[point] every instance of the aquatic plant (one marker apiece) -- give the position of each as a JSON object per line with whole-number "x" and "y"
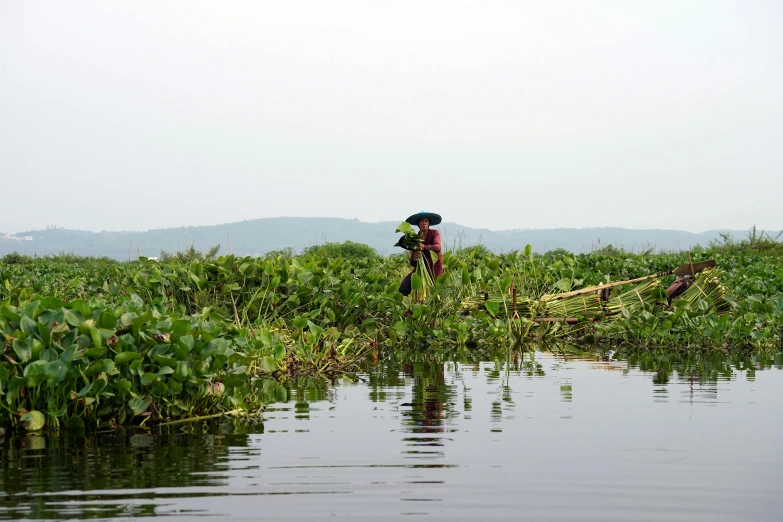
{"x": 82, "y": 338}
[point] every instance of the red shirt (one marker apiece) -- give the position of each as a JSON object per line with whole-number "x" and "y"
{"x": 431, "y": 244}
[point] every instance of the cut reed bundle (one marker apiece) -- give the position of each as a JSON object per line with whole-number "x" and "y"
{"x": 707, "y": 286}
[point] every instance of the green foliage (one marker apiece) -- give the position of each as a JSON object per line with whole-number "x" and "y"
{"x": 111, "y": 364}
{"x": 347, "y": 250}
{"x": 113, "y": 343}
{"x": 475, "y": 251}
{"x": 756, "y": 241}
{"x": 15, "y": 258}
{"x": 190, "y": 254}
{"x": 286, "y": 253}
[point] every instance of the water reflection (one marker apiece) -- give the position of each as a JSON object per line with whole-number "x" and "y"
{"x": 424, "y": 417}
{"x": 42, "y": 477}
{"x": 702, "y": 367}
{"x": 429, "y": 430}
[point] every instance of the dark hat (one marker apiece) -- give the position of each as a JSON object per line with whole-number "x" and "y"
{"x": 434, "y": 218}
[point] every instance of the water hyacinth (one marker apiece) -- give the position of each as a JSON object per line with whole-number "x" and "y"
{"x": 104, "y": 343}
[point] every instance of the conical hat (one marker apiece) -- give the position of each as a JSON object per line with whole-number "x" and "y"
{"x": 434, "y": 218}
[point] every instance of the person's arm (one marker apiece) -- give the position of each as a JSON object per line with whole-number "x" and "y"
{"x": 435, "y": 246}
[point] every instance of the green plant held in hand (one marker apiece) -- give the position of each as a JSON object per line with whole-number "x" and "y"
{"x": 410, "y": 240}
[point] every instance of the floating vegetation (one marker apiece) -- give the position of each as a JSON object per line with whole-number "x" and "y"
{"x": 94, "y": 342}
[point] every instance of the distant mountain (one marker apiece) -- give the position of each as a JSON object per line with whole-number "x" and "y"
{"x": 259, "y": 236}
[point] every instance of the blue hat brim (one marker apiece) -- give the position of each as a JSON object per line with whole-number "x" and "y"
{"x": 434, "y": 218}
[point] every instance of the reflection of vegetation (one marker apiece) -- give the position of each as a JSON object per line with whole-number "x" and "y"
{"x": 37, "y": 465}
{"x": 188, "y": 456}
{"x": 702, "y": 367}
{"x": 298, "y": 389}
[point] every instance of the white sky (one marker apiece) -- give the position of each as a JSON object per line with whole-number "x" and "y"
{"x": 520, "y": 114}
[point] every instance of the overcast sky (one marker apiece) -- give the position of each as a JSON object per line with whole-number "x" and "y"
{"x": 520, "y": 114}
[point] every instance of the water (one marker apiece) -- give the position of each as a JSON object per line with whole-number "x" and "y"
{"x": 539, "y": 437}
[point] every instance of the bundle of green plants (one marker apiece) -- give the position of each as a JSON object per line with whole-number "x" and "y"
{"x": 410, "y": 239}
{"x": 635, "y": 299}
{"x": 707, "y": 285}
{"x": 498, "y": 305}
{"x": 586, "y": 306}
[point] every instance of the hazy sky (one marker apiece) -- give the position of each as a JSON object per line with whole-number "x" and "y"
{"x": 520, "y": 114}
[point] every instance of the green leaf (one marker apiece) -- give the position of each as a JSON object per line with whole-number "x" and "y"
{"x": 140, "y": 320}
{"x": 74, "y": 423}
{"x": 35, "y": 374}
{"x": 416, "y": 282}
{"x": 96, "y": 367}
{"x": 406, "y": 229}
{"x": 123, "y": 386}
{"x": 27, "y": 325}
{"x": 95, "y": 336}
{"x": 33, "y": 420}
{"x": 139, "y": 405}
{"x": 279, "y": 352}
{"x": 148, "y": 378}
{"x": 159, "y": 388}
{"x": 43, "y": 333}
{"x": 56, "y": 370}
{"x": 180, "y": 327}
{"x": 465, "y": 276}
{"x": 125, "y": 357}
{"x": 95, "y": 353}
{"x": 127, "y": 318}
{"x": 493, "y": 307}
{"x": 267, "y": 364}
{"x": 74, "y": 317}
{"x": 23, "y": 350}
{"x": 506, "y": 284}
{"x": 230, "y": 287}
{"x": 164, "y": 360}
{"x": 72, "y": 353}
{"x": 8, "y": 312}
{"x": 266, "y": 337}
{"x": 84, "y": 391}
{"x": 47, "y": 317}
{"x": 300, "y": 322}
{"x": 51, "y": 303}
{"x": 187, "y": 342}
{"x": 60, "y": 329}
{"x": 182, "y": 371}
{"x": 314, "y": 327}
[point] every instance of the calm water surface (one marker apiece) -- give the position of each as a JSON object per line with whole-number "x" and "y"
{"x": 539, "y": 437}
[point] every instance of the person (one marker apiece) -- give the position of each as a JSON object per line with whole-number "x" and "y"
{"x": 430, "y": 243}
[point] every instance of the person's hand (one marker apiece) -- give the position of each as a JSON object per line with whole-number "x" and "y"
{"x": 415, "y": 256}
{"x": 420, "y": 246}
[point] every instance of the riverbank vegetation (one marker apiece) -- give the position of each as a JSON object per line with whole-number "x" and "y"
{"x": 95, "y": 342}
